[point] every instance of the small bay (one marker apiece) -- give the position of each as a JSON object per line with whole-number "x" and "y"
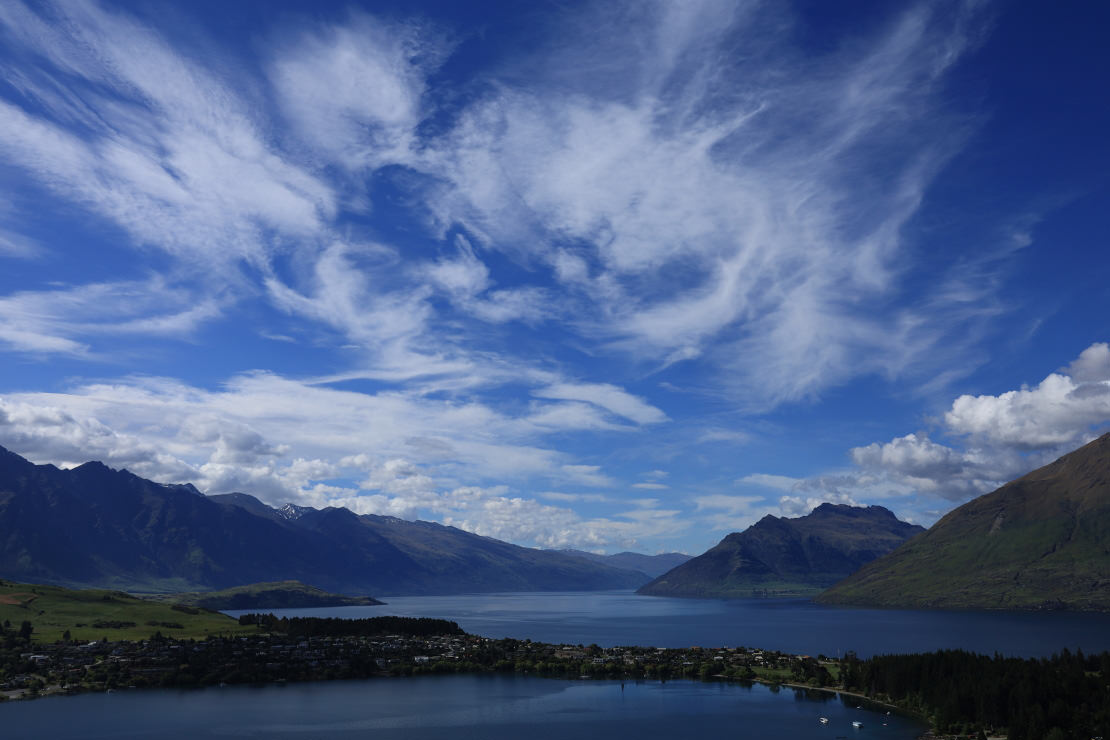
{"x": 797, "y": 626}
{"x": 465, "y": 706}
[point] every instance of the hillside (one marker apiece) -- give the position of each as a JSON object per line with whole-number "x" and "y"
{"x": 95, "y": 614}
{"x": 93, "y": 526}
{"x": 1041, "y": 541}
{"x": 787, "y": 557}
{"x": 279, "y": 595}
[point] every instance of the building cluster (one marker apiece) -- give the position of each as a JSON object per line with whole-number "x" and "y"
{"x": 269, "y": 657}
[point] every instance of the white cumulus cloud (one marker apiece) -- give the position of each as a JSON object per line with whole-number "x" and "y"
{"x": 991, "y": 439}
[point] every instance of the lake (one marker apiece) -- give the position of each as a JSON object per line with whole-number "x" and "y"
{"x": 612, "y": 618}
{"x": 500, "y": 707}
{"x": 456, "y": 707}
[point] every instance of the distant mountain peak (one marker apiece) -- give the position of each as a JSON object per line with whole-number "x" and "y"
{"x": 292, "y": 512}
{"x": 827, "y": 509}
{"x": 9, "y": 459}
{"x": 783, "y": 556}
{"x": 650, "y": 565}
{"x": 186, "y": 487}
{"x": 93, "y": 466}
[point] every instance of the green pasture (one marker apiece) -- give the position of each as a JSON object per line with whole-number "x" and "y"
{"x": 96, "y": 614}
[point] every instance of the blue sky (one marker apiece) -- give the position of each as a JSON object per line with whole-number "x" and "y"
{"x": 610, "y": 276}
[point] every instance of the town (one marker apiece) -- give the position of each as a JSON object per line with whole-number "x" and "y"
{"x": 957, "y": 692}
{"x": 34, "y": 669}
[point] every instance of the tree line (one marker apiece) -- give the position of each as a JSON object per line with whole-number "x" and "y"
{"x": 1065, "y": 696}
{"x": 335, "y": 627}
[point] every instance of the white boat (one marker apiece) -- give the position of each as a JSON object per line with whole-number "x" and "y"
{"x": 857, "y": 723}
{"x": 823, "y": 720}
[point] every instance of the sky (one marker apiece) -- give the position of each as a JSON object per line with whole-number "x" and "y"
{"x": 610, "y": 276}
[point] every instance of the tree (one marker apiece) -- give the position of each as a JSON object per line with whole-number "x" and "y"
{"x": 25, "y": 630}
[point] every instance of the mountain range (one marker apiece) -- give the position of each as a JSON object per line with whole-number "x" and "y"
{"x": 652, "y": 565}
{"x": 788, "y": 557}
{"x": 1041, "y": 541}
{"x": 92, "y": 526}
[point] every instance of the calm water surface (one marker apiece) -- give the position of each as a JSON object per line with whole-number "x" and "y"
{"x": 486, "y": 707}
{"x": 795, "y": 626}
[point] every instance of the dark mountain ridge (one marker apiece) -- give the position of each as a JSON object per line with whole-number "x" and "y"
{"x": 1040, "y": 541}
{"x": 779, "y": 556}
{"x": 93, "y": 526}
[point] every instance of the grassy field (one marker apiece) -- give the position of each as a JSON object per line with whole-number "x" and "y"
{"x": 773, "y": 674}
{"x": 95, "y": 614}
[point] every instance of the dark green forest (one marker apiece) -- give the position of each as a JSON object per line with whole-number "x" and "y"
{"x": 1065, "y": 696}
{"x": 335, "y": 627}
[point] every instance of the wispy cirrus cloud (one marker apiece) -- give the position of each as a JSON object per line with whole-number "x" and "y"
{"x": 606, "y": 396}
{"x": 488, "y": 274}
{"x": 64, "y": 318}
{"x": 163, "y": 149}
{"x": 760, "y": 227}
{"x": 367, "y": 114}
{"x": 17, "y": 245}
{"x": 615, "y": 180}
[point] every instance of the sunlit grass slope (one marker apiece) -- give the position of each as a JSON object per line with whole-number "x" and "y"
{"x": 95, "y": 614}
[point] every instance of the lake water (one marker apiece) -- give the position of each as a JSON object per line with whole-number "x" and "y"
{"x": 455, "y": 707}
{"x": 794, "y": 626}
{"x": 509, "y": 707}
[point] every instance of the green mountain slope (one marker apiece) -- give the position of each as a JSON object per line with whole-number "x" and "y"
{"x": 1041, "y": 541}
{"x": 787, "y": 557}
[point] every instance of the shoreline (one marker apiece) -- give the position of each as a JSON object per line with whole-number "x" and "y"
{"x": 55, "y": 691}
{"x": 298, "y": 649}
{"x": 832, "y": 690}
{"x": 63, "y": 691}
{"x": 929, "y": 734}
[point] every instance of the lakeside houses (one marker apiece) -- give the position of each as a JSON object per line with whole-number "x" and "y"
{"x": 930, "y": 685}
{"x": 164, "y": 661}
